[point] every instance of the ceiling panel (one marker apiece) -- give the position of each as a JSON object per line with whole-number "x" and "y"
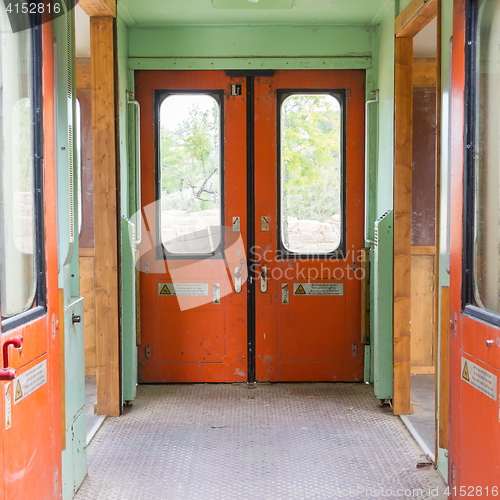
{"x": 178, "y": 12}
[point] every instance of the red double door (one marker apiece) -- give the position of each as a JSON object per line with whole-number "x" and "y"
{"x": 253, "y": 310}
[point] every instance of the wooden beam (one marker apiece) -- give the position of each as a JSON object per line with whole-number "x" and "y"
{"x": 105, "y": 216}
{"x": 402, "y": 224}
{"x": 423, "y": 250}
{"x": 423, "y": 314}
{"x": 416, "y": 15}
{"x": 423, "y": 370}
{"x": 425, "y": 72}
{"x": 98, "y": 8}
{"x": 82, "y": 73}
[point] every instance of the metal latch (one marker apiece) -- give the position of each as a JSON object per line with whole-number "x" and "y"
{"x": 237, "y": 279}
{"x": 263, "y": 276}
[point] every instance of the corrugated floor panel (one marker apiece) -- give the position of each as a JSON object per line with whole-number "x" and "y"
{"x": 262, "y": 442}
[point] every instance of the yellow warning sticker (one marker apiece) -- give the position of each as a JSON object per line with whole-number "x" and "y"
{"x": 8, "y": 405}
{"x": 299, "y": 290}
{"x": 19, "y": 392}
{"x": 465, "y": 372}
{"x": 479, "y": 378}
{"x": 165, "y": 291}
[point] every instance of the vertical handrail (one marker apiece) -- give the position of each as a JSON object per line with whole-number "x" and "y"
{"x": 131, "y": 100}
{"x": 367, "y": 162}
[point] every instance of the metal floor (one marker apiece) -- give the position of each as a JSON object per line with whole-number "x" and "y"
{"x": 263, "y": 442}
{"x": 92, "y": 422}
{"x": 422, "y": 422}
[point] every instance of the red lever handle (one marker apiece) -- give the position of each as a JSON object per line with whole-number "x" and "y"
{"x": 263, "y": 272}
{"x": 7, "y": 373}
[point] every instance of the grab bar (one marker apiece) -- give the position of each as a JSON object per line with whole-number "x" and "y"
{"x": 131, "y": 100}
{"x": 367, "y": 162}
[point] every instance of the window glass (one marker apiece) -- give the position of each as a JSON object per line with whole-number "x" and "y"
{"x": 487, "y": 158}
{"x": 190, "y": 176}
{"x": 311, "y": 218}
{"x": 18, "y": 258}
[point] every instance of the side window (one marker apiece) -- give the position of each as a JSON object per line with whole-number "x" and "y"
{"x": 21, "y": 236}
{"x": 483, "y": 157}
{"x": 311, "y": 191}
{"x": 189, "y": 173}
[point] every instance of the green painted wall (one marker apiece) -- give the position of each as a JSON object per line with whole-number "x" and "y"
{"x": 122, "y": 60}
{"x": 242, "y": 47}
{"x": 127, "y": 199}
{"x": 385, "y": 83}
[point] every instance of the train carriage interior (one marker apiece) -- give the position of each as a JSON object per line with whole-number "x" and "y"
{"x": 249, "y": 249}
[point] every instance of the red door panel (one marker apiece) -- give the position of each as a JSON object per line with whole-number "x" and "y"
{"x": 205, "y": 341}
{"x": 312, "y": 338}
{"x": 474, "y": 448}
{"x": 297, "y": 346}
{"x": 31, "y": 431}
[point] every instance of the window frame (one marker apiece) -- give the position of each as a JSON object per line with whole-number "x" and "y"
{"x": 339, "y": 253}
{"x": 469, "y": 304}
{"x": 161, "y": 252}
{"x": 38, "y": 307}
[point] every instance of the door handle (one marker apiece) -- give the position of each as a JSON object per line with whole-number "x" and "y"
{"x": 263, "y": 276}
{"x": 7, "y": 373}
{"x": 237, "y": 279}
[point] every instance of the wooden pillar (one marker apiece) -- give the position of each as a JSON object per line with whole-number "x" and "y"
{"x": 105, "y": 213}
{"x": 402, "y": 224}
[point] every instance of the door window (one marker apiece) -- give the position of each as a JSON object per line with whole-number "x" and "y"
{"x": 484, "y": 156}
{"x": 190, "y": 173}
{"x": 311, "y": 173}
{"x": 21, "y": 241}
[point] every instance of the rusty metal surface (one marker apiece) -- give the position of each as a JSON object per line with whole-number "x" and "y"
{"x": 263, "y": 442}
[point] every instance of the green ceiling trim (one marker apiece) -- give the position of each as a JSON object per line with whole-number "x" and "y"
{"x": 252, "y": 5}
{"x": 234, "y": 63}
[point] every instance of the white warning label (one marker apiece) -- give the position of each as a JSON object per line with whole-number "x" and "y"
{"x": 30, "y": 381}
{"x": 479, "y": 378}
{"x": 285, "y": 294}
{"x": 318, "y": 289}
{"x": 236, "y": 224}
{"x": 216, "y": 294}
{"x": 8, "y": 405}
{"x": 183, "y": 289}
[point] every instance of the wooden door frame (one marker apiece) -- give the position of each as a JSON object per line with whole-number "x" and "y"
{"x": 417, "y": 15}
